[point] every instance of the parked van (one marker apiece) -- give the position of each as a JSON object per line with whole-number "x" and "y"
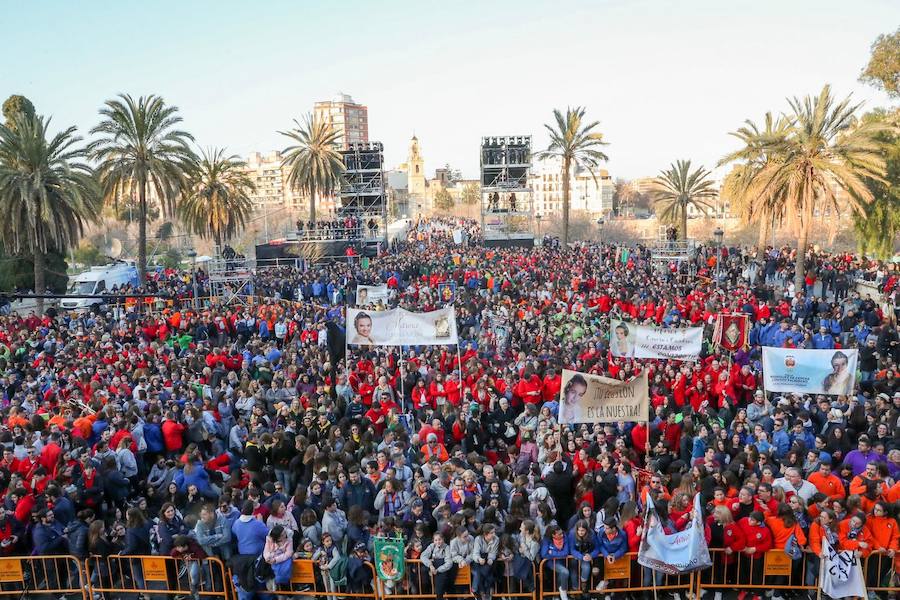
{"x": 97, "y": 281}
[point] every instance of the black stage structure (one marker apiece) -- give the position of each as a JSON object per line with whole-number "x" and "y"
{"x": 507, "y": 206}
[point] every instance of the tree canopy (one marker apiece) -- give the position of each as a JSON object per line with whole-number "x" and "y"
{"x": 883, "y": 70}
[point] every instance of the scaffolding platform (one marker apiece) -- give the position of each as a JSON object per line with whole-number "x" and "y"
{"x": 507, "y": 205}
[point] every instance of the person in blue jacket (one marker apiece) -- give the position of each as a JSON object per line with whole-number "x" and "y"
{"x": 613, "y": 543}
{"x": 193, "y": 473}
{"x": 249, "y": 532}
{"x": 584, "y": 550}
{"x": 823, "y": 340}
{"x": 556, "y": 551}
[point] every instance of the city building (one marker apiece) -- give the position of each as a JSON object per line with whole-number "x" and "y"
{"x": 270, "y": 179}
{"x": 350, "y": 119}
{"x": 410, "y": 193}
{"x": 591, "y": 193}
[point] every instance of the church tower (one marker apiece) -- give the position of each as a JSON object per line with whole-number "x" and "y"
{"x": 415, "y": 171}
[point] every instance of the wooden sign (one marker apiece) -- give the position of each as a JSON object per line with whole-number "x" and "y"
{"x": 302, "y": 572}
{"x": 154, "y": 569}
{"x": 10, "y": 570}
{"x": 619, "y": 569}
{"x": 463, "y": 576}
{"x": 777, "y": 563}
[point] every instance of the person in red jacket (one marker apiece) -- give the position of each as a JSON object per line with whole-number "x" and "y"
{"x": 725, "y": 540}
{"x": 757, "y": 541}
{"x": 173, "y": 434}
{"x": 551, "y": 385}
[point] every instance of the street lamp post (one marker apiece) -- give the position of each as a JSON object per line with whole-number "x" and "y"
{"x": 718, "y": 234}
{"x": 600, "y": 223}
{"x": 538, "y": 218}
{"x": 193, "y": 256}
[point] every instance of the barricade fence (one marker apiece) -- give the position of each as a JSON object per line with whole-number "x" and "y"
{"x": 159, "y": 577}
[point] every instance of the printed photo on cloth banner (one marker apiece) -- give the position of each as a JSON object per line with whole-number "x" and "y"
{"x": 629, "y": 340}
{"x": 831, "y": 372}
{"x": 587, "y": 398}
{"x": 400, "y": 327}
{"x": 371, "y": 294}
{"x": 842, "y": 575}
{"x": 679, "y": 552}
{"x": 390, "y": 562}
{"x": 731, "y": 331}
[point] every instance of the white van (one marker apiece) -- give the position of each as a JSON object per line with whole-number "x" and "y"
{"x": 96, "y": 281}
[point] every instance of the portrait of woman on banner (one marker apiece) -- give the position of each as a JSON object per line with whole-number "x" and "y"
{"x": 573, "y": 394}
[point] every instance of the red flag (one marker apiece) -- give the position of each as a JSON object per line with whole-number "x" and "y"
{"x": 731, "y": 331}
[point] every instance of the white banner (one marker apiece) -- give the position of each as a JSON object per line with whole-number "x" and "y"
{"x": 842, "y": 575}
{"x": 831, "y": 372}
{"x": 400, "y": 327}
{"x": 680, "y": 552}
{"x": 629, "y": 340}
{"x": 587, "y": 398}
{"x": 371, "y": 294}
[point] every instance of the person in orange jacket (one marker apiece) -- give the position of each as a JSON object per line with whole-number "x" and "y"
{"x": 783, "y": 525}
{"x": 853, "y": 535}
{"x": 827, "y": 482}
{"x": 885, "y": 535}
{"x": 758, "y": 541}
{"x": 824, "y": 526}
{"x": 868, "y": 479}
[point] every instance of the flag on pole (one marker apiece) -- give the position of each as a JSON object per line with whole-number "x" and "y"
{"x": 731, "y": 331}
{"x": 842, "y": 575}
{"x": 679, "y": 552}
{"x": 390, "y": 560}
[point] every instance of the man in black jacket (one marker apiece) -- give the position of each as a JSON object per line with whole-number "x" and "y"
{"x": 559, "y": 484}
{"x": 358, "y": 491}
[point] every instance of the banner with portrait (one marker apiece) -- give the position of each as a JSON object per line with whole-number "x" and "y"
{"x": 830, "y": 372}
{"x": 629, "y": 340}
{"x": 399, "y": 327}
{"x": 371, "y": 294}
{"x": 587, "y": 398}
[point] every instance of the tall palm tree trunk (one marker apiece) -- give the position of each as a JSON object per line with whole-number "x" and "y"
{"x": 762, "y": 235}
{"x": 684, "y": 221}
{"x": 567, "y": 165}
{"x": 142, "y": 231}
{"x": 802, "y": 243}
{"x": 312, "y": 206}
{"x": 40, "y": 282}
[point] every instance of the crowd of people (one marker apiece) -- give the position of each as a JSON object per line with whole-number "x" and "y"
{"x": 348, "y": 227}
{"x": 248, "y": 434}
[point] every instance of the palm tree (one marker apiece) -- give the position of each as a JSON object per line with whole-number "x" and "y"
{"x": 141, "y": 150}
{"x": 47, "y": 194}
{"x": 314, "y": 162}
{"x": 217, "y": 200}
{"x": 751, "y": 205}
{"x": 823, "y": 149}
{"x": 678, "y": 188}
{"x": 577, "y": 145}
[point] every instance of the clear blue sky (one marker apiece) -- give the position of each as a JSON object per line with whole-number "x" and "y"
{"x": 667, "y": 80}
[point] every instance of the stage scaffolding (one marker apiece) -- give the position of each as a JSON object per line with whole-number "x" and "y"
{"x": 507, "y": 205}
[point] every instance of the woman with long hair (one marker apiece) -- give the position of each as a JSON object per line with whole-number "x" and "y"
{"x": 726, "y": 540}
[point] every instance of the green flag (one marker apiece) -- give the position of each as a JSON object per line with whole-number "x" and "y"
{"x": 389, "y": 558}
{"x": 364, "y": 262}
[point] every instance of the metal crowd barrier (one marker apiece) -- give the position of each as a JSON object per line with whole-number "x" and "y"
{"x": 309, "y": 580}
{"x": 34, "y": 576}
{"x": 155, "y": 577}
{"x": 162, "y": 577}
{"x": 419, "y": 584}
{"x": 623, "y": 576}
{"x": 774, "y": 571}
